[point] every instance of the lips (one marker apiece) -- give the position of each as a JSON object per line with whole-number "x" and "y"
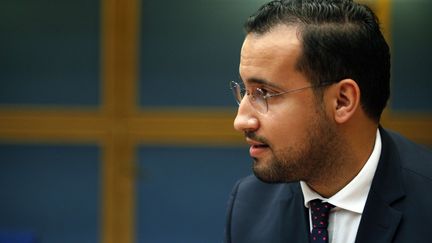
{"x": 260, "y": 146}
{"x": 253, "y": 142}
{"x": 256, "y": 148}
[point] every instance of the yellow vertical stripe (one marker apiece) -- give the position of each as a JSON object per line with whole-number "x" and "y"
{"x": 384, "y": 15}
{"x": 119, "y": 79}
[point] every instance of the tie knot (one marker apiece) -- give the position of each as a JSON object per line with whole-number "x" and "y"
{"x": 320, "y": 213}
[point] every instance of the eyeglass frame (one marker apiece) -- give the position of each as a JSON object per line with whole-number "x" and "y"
{"x": 240, "y": 92}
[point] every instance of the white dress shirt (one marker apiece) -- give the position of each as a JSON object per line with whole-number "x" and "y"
{"x": 349, "y": 202}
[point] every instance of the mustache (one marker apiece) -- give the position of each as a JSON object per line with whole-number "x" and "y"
{"x": 255, "y": 137}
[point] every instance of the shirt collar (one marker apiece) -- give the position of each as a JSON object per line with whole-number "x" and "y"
{"x": 354, "y": 195}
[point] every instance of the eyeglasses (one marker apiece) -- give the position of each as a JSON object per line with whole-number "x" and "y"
{"x": 258, "y": 96}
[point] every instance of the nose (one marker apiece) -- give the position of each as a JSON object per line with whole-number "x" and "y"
{"x": 245, "y": 119}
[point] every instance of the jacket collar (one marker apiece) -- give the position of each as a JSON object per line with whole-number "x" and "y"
{"x": 295, "y": 217}
{"x": 379, "y": 220}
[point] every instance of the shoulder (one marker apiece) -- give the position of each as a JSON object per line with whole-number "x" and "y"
{"x": 251, "y": 194}
{"x": 403, "y": 183}
{"x": 414, "y": 159}
{"x": 256, "y": 210}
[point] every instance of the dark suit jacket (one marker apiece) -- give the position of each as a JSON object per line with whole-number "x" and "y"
{"x": 398, "y": 208}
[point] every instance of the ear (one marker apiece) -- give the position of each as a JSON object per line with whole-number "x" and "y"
{"x": 347, "y": 100}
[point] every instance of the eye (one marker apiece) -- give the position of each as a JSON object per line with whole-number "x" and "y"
{"x": 261, "y": 91}
{"x": 265, "y": 92}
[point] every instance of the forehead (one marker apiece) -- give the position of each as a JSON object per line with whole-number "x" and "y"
{"x": 281, "y": 37}
{"x": 271, "y": 55}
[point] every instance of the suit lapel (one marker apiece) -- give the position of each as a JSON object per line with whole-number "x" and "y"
{"x": 380, "y": 220}
{"x": 379, "y": 223}
{"x": 295, "y": 218}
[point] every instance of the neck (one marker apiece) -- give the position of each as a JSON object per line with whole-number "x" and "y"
{"x": 346, "y": 163}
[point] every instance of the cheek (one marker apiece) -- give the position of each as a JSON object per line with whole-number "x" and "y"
{"x": 288, "y": 121}
{"x": 288, "y": 128}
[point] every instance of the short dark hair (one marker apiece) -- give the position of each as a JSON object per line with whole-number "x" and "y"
{"x": 341, "y": 39}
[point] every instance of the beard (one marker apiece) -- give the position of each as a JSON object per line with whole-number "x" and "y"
{"x": 315, "y": 159}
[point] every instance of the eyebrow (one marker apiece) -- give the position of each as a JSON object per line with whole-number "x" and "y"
{"x": 261, "y": 82}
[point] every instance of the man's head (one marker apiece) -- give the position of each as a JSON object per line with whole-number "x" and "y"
{"x": 340, "y": 39}
{"x": 301, "y": 45}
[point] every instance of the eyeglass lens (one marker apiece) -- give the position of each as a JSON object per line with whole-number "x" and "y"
{"x": 256, "y": 97}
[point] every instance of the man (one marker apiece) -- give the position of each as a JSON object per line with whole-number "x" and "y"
{"x": 315, "y": 80}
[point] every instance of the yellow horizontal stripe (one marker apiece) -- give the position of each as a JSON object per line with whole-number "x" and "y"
{"x": 52, "y": 126}
{"x": 415, "y": 126}
{"x": 170, "y": 127}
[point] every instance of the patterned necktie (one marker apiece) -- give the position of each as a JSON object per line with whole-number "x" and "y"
{"x": 319, "y": 217}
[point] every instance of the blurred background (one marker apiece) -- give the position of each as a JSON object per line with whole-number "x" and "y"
{"x": 116, "y": 117}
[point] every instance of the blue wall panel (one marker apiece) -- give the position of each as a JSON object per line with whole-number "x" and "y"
{"x": 182, "y": 192}
{"x": 412, "y": 51}
{"x": 190, "y": 51}
{"x": 50, "y": 52}
{"x": 50, "y": 191}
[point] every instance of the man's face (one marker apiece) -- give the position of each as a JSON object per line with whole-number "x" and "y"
{"x": 294, "y": 139}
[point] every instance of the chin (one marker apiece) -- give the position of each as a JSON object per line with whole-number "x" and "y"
{"x": 269, "y": 175}
{"x": 273, "y": 172}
